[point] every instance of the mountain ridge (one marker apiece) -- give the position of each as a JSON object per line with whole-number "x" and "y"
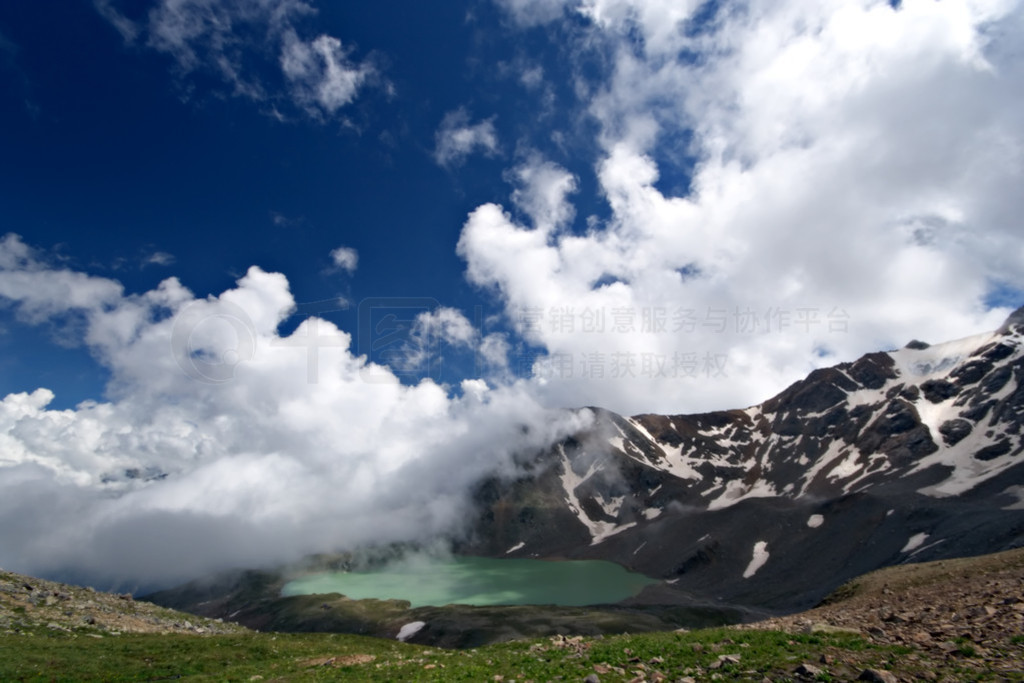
{"x": 897, "y": 456}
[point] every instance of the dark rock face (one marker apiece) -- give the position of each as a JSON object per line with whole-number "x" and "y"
{"x": 938, "y": 390}
{"x": 955, "y": 431}
{"x": 895, "y": 457}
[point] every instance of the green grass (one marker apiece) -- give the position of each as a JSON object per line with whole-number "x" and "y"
{"x": 81, "y": 657}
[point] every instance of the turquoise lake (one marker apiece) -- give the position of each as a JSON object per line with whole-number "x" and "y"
{"x": 481, "y": 581}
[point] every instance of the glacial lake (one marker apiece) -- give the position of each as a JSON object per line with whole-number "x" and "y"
{"x": 481, "y": 581}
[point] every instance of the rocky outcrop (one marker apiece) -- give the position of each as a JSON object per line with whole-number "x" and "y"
{"x": 964, "y": 617}
{"x": 29, "y": 605}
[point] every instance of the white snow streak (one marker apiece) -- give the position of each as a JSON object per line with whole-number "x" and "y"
{"x": 409, "y": 630}
{"x": 915, "y": 542}
{"x": 758, "y": 560}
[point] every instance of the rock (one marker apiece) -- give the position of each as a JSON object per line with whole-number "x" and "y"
{"x": 954, "y": 431}
{"x": 938, "y": 390}
{"x": 592, "y": 678}
{"x": 723, "y": 660}
{"x": 877, "y": 676}
{"x": 808, "y": 670}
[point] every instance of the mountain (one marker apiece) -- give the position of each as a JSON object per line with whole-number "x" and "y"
{"x": 900, "y": 456}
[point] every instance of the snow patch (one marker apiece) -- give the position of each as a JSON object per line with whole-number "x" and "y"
{"x": 937, "y": 360}
{"x": 758, "y": 560}
{"x": 915, "y": 542}
{"x": 847, "y": 468}
{"x": 735, "y": 491}
{"x": 605, "y": 530}
{"x": 516, "y": 547}
{"x": 409, "y": 630}
{"x": 1018, "y": 493}
{"x": 815, "y": 521}
{"x": 612, "y": 506}
{"x": 677, "y": 464}
{"x": 640, "y": 428}
{"x": 652, "y": 513}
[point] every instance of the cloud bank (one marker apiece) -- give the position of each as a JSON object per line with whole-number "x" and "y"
{"x": 215, "y": 448}
{"x": 789, "y": 185}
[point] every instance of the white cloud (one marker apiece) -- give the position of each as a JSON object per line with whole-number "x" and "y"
{"x": 541, "y": 191}
{"x": 448, "y": 325}
{"x": 457, "y": 138}
{"x": 532, "y": 77}
{"x": 128, "y": 29}
{"x": 534, "y": 12}
{"x": 231, "y": 40}
{"x": 213, "y": 448}
{"x": 322, "y": 77}
{"x": 494, "y": 351}
{"x": 851, "y": 192}
{"x": 159, "y": 258}
{"x": 345, "y": 258}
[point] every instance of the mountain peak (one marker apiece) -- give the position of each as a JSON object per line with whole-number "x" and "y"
{"x": 1016, "y": 320}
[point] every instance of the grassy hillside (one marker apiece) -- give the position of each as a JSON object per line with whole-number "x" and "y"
{"x": 881, "y": 624}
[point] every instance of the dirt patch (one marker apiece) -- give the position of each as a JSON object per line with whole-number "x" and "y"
{"x": 343, "y": 660}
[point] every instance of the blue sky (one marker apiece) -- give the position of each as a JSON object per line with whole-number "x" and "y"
{"x": 483, "y": 212}
{"x": 112, "y": 158}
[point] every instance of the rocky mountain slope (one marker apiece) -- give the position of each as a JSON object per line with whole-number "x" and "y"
{"x": 28, "y": 605}
{"x": 965, "y": 615}
{"x": 900, "y": 456}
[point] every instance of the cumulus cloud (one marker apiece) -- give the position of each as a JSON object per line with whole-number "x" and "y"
{"x": 457, "y": 138}
{"x": 213, "y": 449}
{"x": 232, "y": 40}
{"x": 345, "y": 258}
{"x": 850, "y": 192}
{"x": 446, "y": 329}
{"x": 447, "y": 324}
